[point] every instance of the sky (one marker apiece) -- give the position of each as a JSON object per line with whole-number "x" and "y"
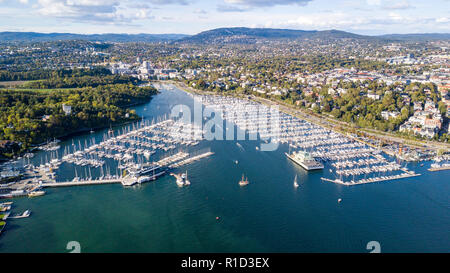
{"x": 369, "y": 17}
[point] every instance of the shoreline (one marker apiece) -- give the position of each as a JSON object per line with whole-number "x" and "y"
{"x": 301, "y": 114}
{"x": 79, "y": 131}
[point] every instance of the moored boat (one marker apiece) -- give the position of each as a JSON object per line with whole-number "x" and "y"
{"x": 36, "y": 193}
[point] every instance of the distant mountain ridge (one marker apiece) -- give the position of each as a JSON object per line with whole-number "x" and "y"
{"x": 108, "y": 37}
{"x": 242, "y": 33}
{"x": 219, "y": 35}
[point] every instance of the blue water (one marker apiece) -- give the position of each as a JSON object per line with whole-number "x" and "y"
{"x": 269, "y": 215}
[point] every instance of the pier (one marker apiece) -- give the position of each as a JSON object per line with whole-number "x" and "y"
{"x": 174, "y": 162}
{"x": 371, "y": 180}
{"x": 190, "y": 160}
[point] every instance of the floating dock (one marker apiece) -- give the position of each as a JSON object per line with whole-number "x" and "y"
{"x": 371, "y": 180}
{"x": 439, "y": 169}
{"x": 190, "y": 160}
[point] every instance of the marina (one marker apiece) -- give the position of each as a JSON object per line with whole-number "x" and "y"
{"x": 169, "y": 218}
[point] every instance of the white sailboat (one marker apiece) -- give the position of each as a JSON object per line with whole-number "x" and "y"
{"x": 295, "y": 182}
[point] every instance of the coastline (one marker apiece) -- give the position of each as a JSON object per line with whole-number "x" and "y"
{"x": 326, "y": 122}
{"x": 33, "y": 147}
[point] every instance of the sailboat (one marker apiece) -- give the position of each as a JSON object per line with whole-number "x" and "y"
{"x": 243, "y": 182}
{"x": 295, "y": 182}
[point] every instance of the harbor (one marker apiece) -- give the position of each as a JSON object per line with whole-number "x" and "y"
{"x": 161, "y": 216}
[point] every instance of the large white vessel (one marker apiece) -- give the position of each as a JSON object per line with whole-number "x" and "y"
{"x": 305, "y": 160}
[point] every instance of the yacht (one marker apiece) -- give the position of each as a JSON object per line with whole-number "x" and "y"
{"x": 36, "y": 193}
{"x": 182, "y": 180}
{"x": 243, "y": 182}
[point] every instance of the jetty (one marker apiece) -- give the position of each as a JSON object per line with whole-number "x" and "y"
{"x": 190, "y": 160}
{"x": 371, "y": 180}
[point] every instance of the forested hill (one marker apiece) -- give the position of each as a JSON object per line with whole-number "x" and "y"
{"x": 219, "y": 35}
{"x": 242, "y": 34}
{"x": 108, "y": 37}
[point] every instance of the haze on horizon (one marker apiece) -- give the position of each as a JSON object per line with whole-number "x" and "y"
{"x": 369, "y": 17}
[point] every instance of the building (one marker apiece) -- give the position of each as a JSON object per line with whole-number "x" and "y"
{"x": 67, "y": 109}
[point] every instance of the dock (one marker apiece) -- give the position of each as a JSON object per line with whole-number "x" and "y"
{"x": 190, "y": 160}
{"x": 439, "y": 169}
{"x": 371, "y": 180}
{"x": 81, "y": 183}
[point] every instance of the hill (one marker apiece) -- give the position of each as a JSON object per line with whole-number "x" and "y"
{"x": 248, "y": 35}
{"x": 109, "y": 37}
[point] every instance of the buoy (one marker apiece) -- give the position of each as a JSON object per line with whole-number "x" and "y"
{"x": 217, "y": 218}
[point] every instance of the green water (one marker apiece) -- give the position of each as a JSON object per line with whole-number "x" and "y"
{"x": 269, "y": 215}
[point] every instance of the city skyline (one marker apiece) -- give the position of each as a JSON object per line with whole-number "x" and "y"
{"x": 368, "y": 17}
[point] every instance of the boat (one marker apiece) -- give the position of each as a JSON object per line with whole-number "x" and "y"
{"x": 243, "y": 182}
{"x": 25, "y": 214}
{"x": 295, "y": 182}
{"x": 2, "y": 226}
{"x": 129, "y": 181}
{"x": 305, "y": 160}
{"x": 4, "y": 208}
{"x": 4, "y": 216}
{"x": 182, "y": 180}
{"x": 36, "y": 193}
{"x": 339, "y": 200}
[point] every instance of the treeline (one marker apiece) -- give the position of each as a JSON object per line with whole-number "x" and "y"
{"x": 33, "y": 117}
{"x": 39, "y": 74}
{"x": 80, "y": 82}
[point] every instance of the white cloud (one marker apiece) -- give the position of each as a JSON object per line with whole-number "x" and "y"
{"x": 389, "y": 23}
{"x": 103, "y": 11}
{"x": 266, "y": 3}
{"x": 390, "y": 4}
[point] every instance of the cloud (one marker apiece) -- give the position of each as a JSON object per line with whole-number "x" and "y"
{"x": 391, "y": 4}
{"x": 266, "y": 3}
{"x": 227, "y": 8}
{"x": 169, "y": 2}
{"x": 361, "y": 22}
{"x": 200, "y": 11}
{"x": 100, "y": 11}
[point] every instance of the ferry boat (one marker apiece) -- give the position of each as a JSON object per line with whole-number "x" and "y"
{"x": 36, "y": 193}
{"x": 305, "y": 160}
{"x": 243, "y": 182}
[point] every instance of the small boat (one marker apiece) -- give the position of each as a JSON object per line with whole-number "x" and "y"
{"x": 243, "y": 182}
{"x": 182, "y": 180}
{"x": 2, "y": 226}
{"x": 295, "y": 182}
{"x": 36, "y": 193}
{"x": 6, "y": 204}
{"x": 4, "y": 208}
{"x": 4, "y": 216}
{"x": 339, "y": 200}
{"x": 25, "y": 214}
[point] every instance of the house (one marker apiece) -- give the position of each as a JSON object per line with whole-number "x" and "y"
{"x": 67, "y": 109}
{"x": 373, "y": 96}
